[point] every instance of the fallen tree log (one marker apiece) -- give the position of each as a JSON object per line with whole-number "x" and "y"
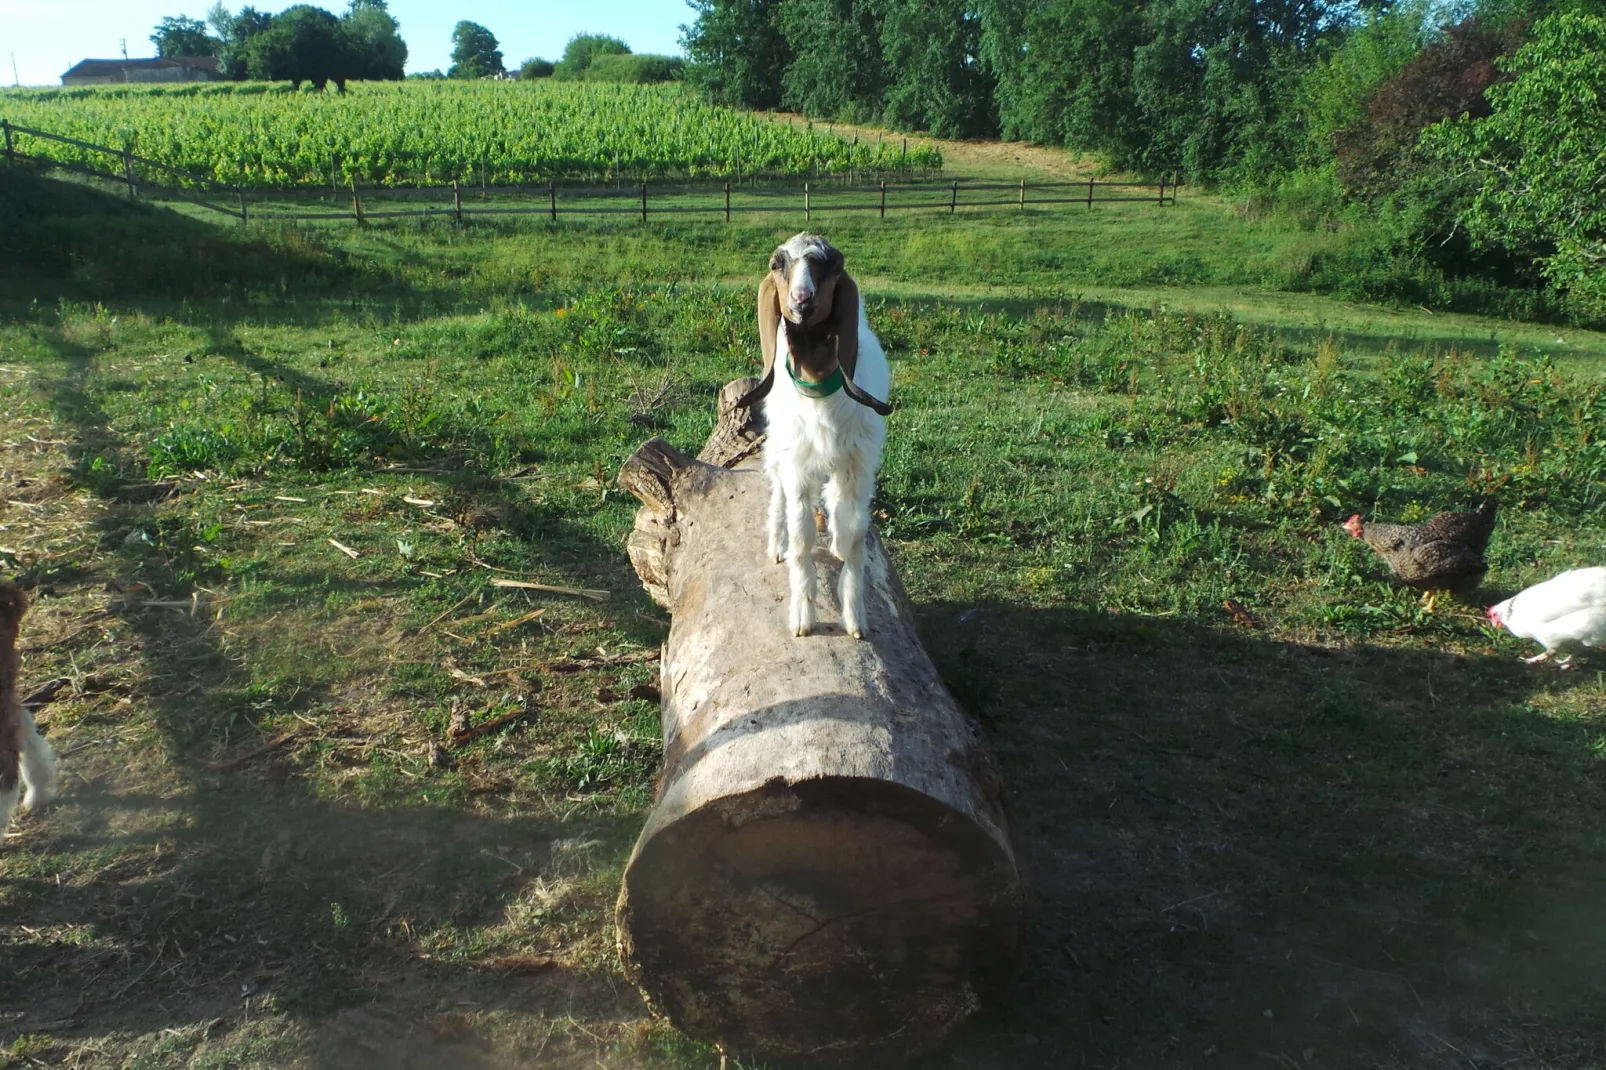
{"x": 826, "y": 874}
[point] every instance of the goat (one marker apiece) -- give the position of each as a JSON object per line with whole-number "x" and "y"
{"x": 824, "y": 427}
{"x": 26, "y": 760}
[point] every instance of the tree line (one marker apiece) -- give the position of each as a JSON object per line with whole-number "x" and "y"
{"x": 1422, "y": 117}
{"x": 307, "y": 44}
{"x": 300, "y": 44}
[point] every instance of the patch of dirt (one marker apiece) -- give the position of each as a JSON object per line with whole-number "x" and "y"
{"x": 172, "y": 909}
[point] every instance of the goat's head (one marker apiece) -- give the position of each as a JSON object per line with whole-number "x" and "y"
{"x": 809, "y": 290}
{"x": 806, "y": 272}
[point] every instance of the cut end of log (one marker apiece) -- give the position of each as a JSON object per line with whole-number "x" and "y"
{"x": 826, "y": 920}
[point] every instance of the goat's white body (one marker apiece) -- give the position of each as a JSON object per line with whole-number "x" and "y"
{"x": 37, "y": 765}
{"x": 828, "y": 447}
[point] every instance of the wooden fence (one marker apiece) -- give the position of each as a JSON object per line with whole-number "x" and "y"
{"x": 127, "y": 173}
{"x": 555, "y": 201}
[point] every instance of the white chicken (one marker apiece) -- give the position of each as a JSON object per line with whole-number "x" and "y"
{"x": 1568, "y": 609}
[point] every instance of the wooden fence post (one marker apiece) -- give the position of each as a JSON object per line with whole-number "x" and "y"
{"x": 883, "y": 198}
{"x": 644, "y": 202}
{"x": 485, "y": 181}
{"x": 457, "y": 200}
{"x": 356, "y": 204}
{"x": 552, "y": 199}
{"x": 128, "y": 172}
{"x": 1023, "y": 195}
{"x": 728, "y": 201}
{"x": 243, "y": 217}
{"x": 1090, "y": 194}
{"x": 808, "y": 211}
{"x": 953, "y": 198}
{"x": 11, "y": 152}
{"x": 1162, "y": 191}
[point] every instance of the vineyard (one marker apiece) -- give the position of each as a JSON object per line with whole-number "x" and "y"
{"x": 265, "y": 136}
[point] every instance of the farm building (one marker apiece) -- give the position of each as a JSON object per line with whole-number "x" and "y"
{"x": 118, "y": 71}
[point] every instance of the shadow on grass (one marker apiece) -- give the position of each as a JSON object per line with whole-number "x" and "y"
{"x": 246, "y": 888}
{"x": 1244, "y": 852}
{"x": 71, "y": 241}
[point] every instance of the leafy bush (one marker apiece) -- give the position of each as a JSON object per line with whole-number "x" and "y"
{"x": 582, "y": 51}
{"x": 1539, "y": 158}
{"x": 1446, "y": 79}
{"x": 635, "y": 69}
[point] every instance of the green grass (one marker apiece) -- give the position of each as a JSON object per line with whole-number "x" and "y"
{"x": 1361, "y": 834}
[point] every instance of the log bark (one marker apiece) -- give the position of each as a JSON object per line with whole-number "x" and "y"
{"x": 826, "y": 875}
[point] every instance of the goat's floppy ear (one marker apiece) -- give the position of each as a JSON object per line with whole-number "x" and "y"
{"x": 758, "y": 392}
{"x": 769, "y": 320}
{"x": 845, "y": 325}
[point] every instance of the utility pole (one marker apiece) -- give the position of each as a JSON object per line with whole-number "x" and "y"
{"x": 16, "y": 79}
{"x": 123, "y": 42}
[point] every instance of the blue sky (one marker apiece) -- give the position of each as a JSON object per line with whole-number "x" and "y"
{"x": 48, "y": 36}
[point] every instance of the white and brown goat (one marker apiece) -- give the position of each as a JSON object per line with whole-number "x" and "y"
{"x": 824, "y": 419}
{"x": 27, "y": 763}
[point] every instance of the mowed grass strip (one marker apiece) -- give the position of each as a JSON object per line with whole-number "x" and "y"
{"x": 1353, "y": 828}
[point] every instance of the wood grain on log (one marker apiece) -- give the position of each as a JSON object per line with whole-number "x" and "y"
{"x": 826, "y": 873}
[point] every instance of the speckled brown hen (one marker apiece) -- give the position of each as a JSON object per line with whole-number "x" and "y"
{"x": 1444, "y": 553}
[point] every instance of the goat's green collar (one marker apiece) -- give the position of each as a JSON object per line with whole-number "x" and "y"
{"x": 823, "y": 389}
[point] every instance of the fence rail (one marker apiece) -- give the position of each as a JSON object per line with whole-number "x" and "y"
{"x": 555, "y": 201}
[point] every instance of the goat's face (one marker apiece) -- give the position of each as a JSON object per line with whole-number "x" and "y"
{"x": 806, "y": 271}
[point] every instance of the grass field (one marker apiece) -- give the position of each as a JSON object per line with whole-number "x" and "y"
{"x": 1358, "y": 834}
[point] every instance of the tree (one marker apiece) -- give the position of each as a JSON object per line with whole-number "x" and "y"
{"x": 235, "y": 33}
{"x": 582, "y": 50}
{"x": 1448, "y": 78}
{"x": 936, "y": 80}
{"x": 303, "y": 44}
{"x": 1539, "y": 157}
{"x": 738, "y": 53}
{"x": 837, "y": 69}
{"x": 1203, "y": 86}
{"x": 183, "y": 36}
{"x": 1334, "y": 92}
{"x": 474, "y": 52}
{"x": 1065, "y": 72}
{"x": 372, "y": 31}
{"x": 535, "y": 67}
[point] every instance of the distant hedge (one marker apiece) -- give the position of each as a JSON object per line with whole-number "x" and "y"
{"x": 636, "y": 69}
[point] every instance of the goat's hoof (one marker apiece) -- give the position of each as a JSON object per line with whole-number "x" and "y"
{"x": 803, "y": 631}
{"x": 857, "y": 633}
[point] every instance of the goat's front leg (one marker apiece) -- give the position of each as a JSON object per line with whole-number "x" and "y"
{"x": 777, "y": 524}
{"x": 800, "y": 535}
{"x": 37, "y": 765}
{"x": 848, "y": 500}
